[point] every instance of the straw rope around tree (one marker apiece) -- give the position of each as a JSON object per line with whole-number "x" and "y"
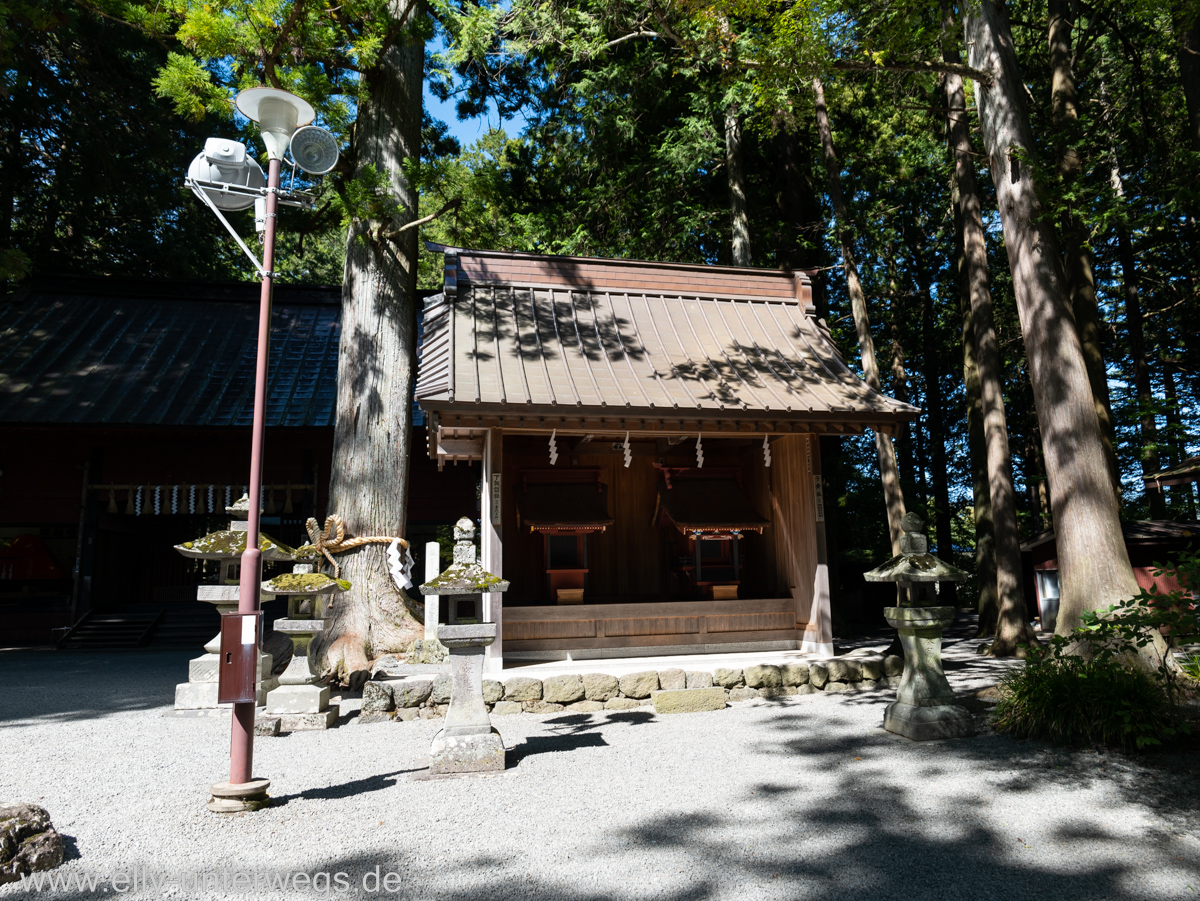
{"x": 332, "y": 540}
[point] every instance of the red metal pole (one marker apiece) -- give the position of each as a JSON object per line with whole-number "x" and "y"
{"x": 241, "y": 749}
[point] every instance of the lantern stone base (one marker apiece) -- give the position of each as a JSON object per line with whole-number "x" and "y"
{"x": 308, "y": 722}
{"x": 928, "y": 723}
{"x": 203, "y": 695}
{"x": 298, "y": 699}
{"x": 230, "y": 798}
{"x": 452, "y": 754}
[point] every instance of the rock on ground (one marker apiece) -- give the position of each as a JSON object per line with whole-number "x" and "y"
{"x": 28, "y": 842}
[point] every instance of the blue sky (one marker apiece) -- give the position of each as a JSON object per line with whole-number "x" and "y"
{"x": 466, "y": 131}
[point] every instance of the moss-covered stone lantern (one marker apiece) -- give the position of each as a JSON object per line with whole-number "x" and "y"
{"x": 199, "y": 693}
{"x": 300, "y": 702}
{"x": 464, "y": 582}
{"x": 925, "y": 706}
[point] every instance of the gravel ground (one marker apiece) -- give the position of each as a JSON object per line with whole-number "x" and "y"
{"x": 799, "y": 798}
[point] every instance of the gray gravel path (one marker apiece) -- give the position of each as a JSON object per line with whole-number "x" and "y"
{"x": 801, "y": 798}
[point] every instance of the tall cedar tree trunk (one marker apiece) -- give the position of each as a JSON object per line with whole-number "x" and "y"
{"x": 1078, "y": 265}
{"x": 1188, "y": 40}
{"x": 1093, "y": 561}
{"x": 935, "y": 412}
{"x": 734, "y": 154}
{"x": 375, "y": 368}
{"x": 1149, "y": 457}
{"x": 888, "y": 472}
{"x": 1009, "y": 619}
{"x": 985, "y": 531}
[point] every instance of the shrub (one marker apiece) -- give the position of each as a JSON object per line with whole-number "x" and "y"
{"x": 1088, "y": 688}
{"x": 1071, "y": 700}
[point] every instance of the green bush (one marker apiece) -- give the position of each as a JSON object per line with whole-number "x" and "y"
{"x": 1087, "y": 689}
{"x": 1070, "y": 700}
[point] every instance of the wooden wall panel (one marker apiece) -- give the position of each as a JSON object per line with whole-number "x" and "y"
{"x": 659, "y": 625}
{"x": 793, "y": 517}
{"x": 749, "y": 622}
{"x": 549, "y": 629}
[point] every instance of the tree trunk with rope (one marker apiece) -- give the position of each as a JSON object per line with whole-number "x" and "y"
{"x": 368, "y": 484}
{"x": 888, "y": 470}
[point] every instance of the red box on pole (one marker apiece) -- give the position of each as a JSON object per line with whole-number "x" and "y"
{"x": 241, "y": 634}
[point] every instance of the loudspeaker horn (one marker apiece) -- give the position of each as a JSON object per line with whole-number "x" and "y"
{"x": 314, "y": 149}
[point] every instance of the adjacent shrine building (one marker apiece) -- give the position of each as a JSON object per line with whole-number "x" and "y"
{"x": 648, "y": 439}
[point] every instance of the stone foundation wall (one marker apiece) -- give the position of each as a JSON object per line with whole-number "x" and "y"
{"x": 413, "y": 697}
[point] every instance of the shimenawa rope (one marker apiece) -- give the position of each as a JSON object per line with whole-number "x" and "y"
{"x": 332, "y": 540}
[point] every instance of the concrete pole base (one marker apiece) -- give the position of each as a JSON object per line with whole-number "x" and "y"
{"x": 228, "y": 797}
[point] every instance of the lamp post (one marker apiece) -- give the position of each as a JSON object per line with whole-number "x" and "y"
{"x": 224, "y": 178}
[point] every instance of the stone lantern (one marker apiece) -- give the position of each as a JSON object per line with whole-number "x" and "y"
{"x": 300, "y": 702}
{"x": 925, "y": 706}
{"x": 199, "y": 693}
{"x": 468, "y": 743}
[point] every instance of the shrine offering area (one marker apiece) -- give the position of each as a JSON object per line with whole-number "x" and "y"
{"x": 800, "y": 797}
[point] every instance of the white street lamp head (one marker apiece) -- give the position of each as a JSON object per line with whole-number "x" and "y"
{"x": 225, "y": 162}
{"x": 314, "y": 149}
{"x": 277, "y": 113}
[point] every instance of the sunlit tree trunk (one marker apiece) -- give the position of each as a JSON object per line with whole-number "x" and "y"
{"x": 1093, "y": 561}
{"x": 889, "y": 473}
{"x": 1008, "y": 622}
{"x": 735, "y": 167}
{"x": 375, "y": 366}
{"x": 1078, "y": 265}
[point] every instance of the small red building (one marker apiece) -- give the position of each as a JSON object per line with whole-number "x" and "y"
{"x": 1150, "y": 543}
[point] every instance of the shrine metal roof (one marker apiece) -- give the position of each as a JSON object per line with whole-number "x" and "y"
{"x": 521, "y": 335}
{"x": 162, "y": 353}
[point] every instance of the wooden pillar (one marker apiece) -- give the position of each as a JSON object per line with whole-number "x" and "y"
{"x": 491, "y": 543}
{"x": 818, "y": 634}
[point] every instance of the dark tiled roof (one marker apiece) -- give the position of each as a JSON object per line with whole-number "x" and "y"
{"x": 1184, "y": 473}
{"x": 158, "y": 353}
{"x": 1142, "y": 530}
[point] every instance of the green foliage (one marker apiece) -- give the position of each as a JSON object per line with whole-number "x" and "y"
{"x": 1070, "y": 700}
{"x": 1093, "y": 687}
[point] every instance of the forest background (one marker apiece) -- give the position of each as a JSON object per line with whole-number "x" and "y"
{"x": 659, "y": 130}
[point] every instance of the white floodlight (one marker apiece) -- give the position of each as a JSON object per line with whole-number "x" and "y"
{"x": 225, "y": 172}
{"x": 277, "y": 113}
{"x": 314, "y": 149}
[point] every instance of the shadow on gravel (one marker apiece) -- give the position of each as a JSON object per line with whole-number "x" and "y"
{"x": 74, "y": 685}
{"x": 553, "y": 744}
{"x": 349, "y": 789}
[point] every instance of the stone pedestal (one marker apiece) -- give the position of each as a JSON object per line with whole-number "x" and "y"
{"x": 925, "y": 706}
{"x": 199, "y": 692}
{"x": 468, "y": 743}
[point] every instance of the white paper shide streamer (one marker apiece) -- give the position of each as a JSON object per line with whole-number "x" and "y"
{"x": 766, "y": 452}
{"x": 400, "y": 565}
{"x": 699, "y": 451}
{"x": 553, "y": 447}
{"x": 628, "y": 452}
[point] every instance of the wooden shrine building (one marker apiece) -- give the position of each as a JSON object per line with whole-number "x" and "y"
{"x": 647, "y": 432}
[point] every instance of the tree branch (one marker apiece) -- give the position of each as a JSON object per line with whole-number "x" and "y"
{"x": 851, "y": 65}
{"x": 631, "y": 36}
{"x": 395, "y": 233}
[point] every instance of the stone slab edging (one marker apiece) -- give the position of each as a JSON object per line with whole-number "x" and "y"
{"x": 412, "y": 697}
